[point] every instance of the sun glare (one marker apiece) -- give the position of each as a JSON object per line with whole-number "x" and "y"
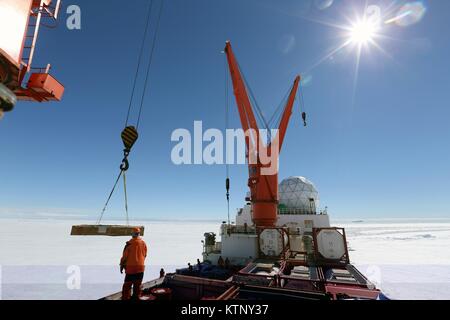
{"x": 362, "y": 32}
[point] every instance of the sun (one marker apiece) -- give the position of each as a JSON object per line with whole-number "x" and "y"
{"x": 362, "y": 32}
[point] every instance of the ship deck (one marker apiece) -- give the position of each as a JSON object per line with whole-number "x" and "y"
{"x": 288, "y": 281}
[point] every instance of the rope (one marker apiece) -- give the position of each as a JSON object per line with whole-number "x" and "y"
{"x": 255, "y": 104}
{"x": 227, "y": 120}
{"x": 277, "y": 115}
{"x": 303, "y": 110}
{"x": 150, "y": 63}
{"x": 227, "y": 103}
{"x": 228, "y": 208}
{"x": 147, "y": 24}
{"x": 126, "y": 196}
{"x": 109, "y": 198}
{"x": 124, "y": 166}
{"x": 302, "y": 101}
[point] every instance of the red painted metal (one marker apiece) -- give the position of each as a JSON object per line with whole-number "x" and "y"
{"x": 41, "y": 87}
{"x": 351, "y": 292}
{"x": 230, "y": 294}
{"x": 16, "y": 65}
{"x": 263, "y": 187}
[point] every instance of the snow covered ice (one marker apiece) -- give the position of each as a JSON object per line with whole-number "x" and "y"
{"x": 39, "y": 258}
{"x": 407, "y": 259}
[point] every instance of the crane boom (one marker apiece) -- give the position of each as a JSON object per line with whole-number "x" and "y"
{"x": 263, "y": 187}
{"x": 248, "y": 120}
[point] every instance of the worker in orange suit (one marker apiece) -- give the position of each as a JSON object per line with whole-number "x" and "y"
{"x": 133, "y": 262}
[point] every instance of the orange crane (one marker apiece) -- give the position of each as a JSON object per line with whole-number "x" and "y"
{"x": 263, "y": 187}
{"x": 20, "y": 21}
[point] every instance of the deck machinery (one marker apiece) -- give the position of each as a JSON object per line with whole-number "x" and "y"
{"x": 20, "y": 21}
{"x": 303, "y": 259}
{"x": 271, "y": 251}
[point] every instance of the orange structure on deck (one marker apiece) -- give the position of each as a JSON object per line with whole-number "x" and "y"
{"x": 263, "y": 187}
{"x": 20, "y": 21}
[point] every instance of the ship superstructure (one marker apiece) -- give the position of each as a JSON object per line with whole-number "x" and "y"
{"x": 301, "y": 257}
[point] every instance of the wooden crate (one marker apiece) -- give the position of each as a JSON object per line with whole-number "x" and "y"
{"x": 104, "y": 230}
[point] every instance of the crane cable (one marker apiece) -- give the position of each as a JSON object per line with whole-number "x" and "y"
{"x": 227, "y": 122}
{"x": 138, "y": 68}
{"x": 302, "y": 106}
{"x": 278, "y": 114}
{"x": 147, "y": 76}
{"x": 130, "y": 134}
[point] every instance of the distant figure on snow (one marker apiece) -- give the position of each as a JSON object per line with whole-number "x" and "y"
{"x": 220, "y": 262}
{"x": 227, "y": 263}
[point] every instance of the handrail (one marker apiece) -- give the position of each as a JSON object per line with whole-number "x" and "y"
{"x": 296, "y": 211}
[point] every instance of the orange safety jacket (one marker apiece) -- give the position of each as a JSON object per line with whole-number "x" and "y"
{"x": 134, "y": 254}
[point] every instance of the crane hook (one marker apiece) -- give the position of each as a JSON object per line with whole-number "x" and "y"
{"x": 125, "y": 165}
{"x": 129, "y": 137}
{"x": 304, "y": 118}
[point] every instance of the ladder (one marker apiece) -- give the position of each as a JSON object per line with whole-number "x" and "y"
{"x": 31, "y": 35}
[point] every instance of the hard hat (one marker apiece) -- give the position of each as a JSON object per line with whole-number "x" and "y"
{"x": 136, "y": 230}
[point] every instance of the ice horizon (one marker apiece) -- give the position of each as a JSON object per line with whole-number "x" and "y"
{"x": 407, "y": 258}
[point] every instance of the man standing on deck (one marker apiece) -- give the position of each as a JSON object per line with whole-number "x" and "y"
{"x": 133, "y": 262}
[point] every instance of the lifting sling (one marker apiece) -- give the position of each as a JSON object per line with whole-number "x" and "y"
{"x": 129, "y": 137}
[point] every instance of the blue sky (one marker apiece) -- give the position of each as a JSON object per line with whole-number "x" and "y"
{"x": 378, "y": 151}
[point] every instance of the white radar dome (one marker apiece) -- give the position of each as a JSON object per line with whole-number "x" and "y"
{"x": 298, "y": 194}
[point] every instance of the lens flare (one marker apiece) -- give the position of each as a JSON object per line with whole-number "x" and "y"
{"x": 323, "y": 4}
{"x": 306, "y": 80}
{"x": 409, "y": 14}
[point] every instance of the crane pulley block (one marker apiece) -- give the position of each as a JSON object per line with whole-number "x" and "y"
{"x": 129, "y": 137}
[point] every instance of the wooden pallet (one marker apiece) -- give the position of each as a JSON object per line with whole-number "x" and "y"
{"x": 104, "y": 230}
